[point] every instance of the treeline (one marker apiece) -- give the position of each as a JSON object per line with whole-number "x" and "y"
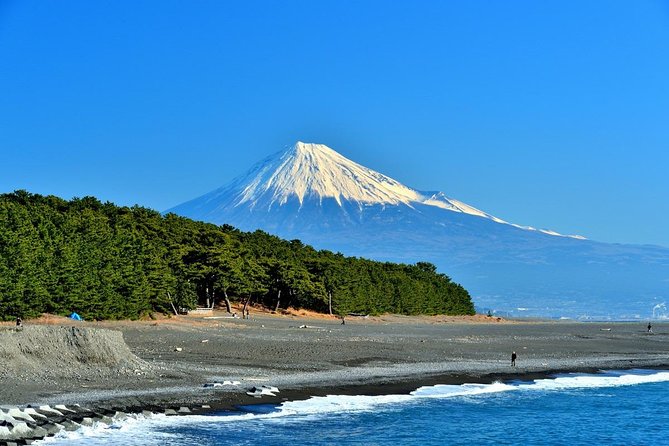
{"x": 109, "y": 262}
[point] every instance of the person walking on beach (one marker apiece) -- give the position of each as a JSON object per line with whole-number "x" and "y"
{"x": 650, "y": 328}
{"x": 513, "y": 359}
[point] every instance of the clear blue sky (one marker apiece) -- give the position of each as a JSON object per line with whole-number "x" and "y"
{"x": 552, "y": 114}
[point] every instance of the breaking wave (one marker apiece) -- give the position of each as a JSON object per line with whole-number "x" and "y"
{"x": 161, "y": 429}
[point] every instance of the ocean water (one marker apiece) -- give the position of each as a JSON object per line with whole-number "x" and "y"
{"x": 614, "y": 407}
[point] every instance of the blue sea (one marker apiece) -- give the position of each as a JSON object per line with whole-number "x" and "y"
{"x": 615, "y": 407}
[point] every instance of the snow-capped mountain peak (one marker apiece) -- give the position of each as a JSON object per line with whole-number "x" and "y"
{"x": 315, "y": 170}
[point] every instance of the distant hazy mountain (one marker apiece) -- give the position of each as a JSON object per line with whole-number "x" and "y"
{"x": 313, "y": 193}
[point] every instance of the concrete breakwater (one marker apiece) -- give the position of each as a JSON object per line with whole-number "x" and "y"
{"x": 41, "y": 356}
{"x": 21, "y": 426}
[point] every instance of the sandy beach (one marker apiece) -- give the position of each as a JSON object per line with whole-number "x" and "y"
{"x": 304, "y": 355}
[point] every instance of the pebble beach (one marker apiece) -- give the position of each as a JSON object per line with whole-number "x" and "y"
{"x": 212, "y": 362}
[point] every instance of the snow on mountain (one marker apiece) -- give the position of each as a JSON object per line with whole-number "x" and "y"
{"x": 315, "y": 171}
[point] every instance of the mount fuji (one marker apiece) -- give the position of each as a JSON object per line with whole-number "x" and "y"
{"x": 312, "y": 193}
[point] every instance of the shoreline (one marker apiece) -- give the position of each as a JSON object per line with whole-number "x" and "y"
{"x": 75, "y": 417}
{"x": 392, "y": 388}
{"x": 365, "y": 353}
{"x": 309, "y": 357}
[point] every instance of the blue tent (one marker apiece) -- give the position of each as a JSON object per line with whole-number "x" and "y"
{"x": 76, "y": 317}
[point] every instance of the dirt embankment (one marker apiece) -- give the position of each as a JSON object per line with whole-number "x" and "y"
{"x": 41, "y": 352}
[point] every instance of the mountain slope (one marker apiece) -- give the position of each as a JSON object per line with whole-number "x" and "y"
{"x": 311, "y": 192}
{"x": 316, "y": 173}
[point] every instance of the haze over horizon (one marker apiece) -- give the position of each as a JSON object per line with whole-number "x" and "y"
{"x": 552, "y": 116}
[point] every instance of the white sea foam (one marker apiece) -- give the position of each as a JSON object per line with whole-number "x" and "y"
{"x": 133, "y": 430}
{"x": 117, "y": 433}
{"x": 609, "y": 379}
{"x": 562, "y": 382}
{"x": 341, "y": 403}
{"x": 450, "y": 391}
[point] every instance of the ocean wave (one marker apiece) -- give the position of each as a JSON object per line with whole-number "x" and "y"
{"x": 560, "y": 382}
{"x": 133, "y": 430}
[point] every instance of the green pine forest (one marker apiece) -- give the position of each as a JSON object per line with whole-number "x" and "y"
{"x": 109, "y": 262}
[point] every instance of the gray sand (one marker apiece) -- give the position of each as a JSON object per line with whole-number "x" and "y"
{"x": 312, "y": 356}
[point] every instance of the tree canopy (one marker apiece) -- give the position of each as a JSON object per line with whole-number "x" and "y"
{"x": 111, "y": 262}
